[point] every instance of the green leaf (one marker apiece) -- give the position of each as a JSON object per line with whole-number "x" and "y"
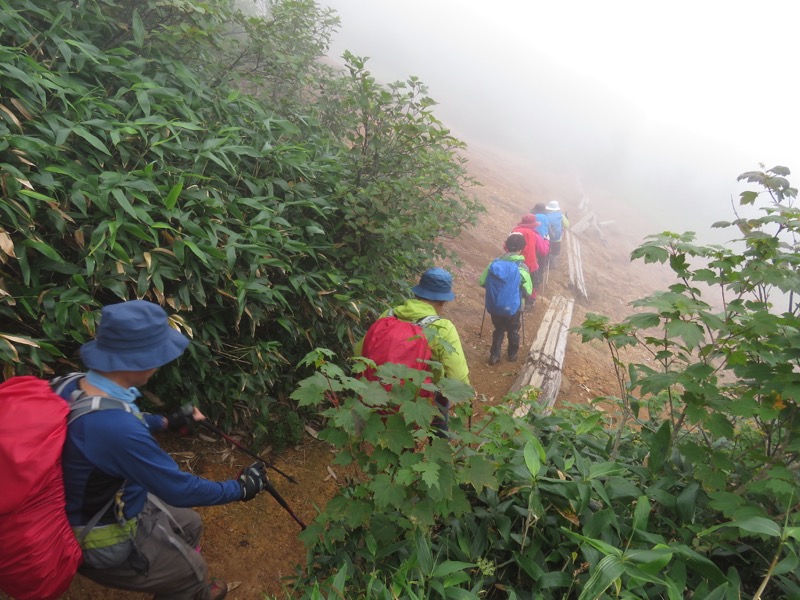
{"x": 196, "y": 251}
{"x": 424, "y": 554}
{"x": 532, "y": 460}
{"x": 340, "y": 579}
{"x": 685, "y": 503}
{"x": 660, "y": 447}
{"x": 641, "y": 513}
{"x": 480, "y": 473}
{"x": 757, "y": 525}
{"x": 600, "y": 545}
{"x": 386, "y": 492}
{"x": 607, "y": 571}
{"x": 589, "y": 424}
{"x": 605, "y": 469}
{"x": 644, "y": 320}
{"x": 690, "y": 332}
{"x": 143, "y": 98}
{"x": 429, "y": 472}
{"x": 419, "y": 411}
{"x": 450, "y": 566}
{"x": 120, "y": 197}
{"x": 138, "y": 28}
{"x": 44, "y": 249}
{"x": 172, "y": 196}
{"x": 650, "y": 561}
{"x": 91, "y": 138}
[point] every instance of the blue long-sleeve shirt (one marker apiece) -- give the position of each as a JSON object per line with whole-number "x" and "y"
{"x": 106, "y": 447}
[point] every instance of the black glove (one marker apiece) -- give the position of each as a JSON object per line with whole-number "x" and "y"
{"x": 253, "y": 479}
{"x": 181, "y": 422}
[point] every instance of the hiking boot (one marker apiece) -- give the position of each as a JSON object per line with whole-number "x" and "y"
{"x": 217, "y": 589}
{"x": 512, "y": 357}
{"x": 493, "y": 359}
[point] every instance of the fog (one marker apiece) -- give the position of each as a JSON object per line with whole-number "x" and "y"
{"x": 660, "y": 104}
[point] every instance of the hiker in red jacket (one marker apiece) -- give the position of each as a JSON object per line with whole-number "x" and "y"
{"x": 535, "y": 247}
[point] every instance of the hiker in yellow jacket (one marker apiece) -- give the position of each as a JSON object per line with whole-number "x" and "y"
{"x": 447, "y": 360}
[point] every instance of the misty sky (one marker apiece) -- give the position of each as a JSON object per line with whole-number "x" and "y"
{"x": 665, "y": 103}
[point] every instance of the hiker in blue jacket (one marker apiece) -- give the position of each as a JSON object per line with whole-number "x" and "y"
{"x": 543, "y": 228}
{"x": 558, "y": 223}
{"x": 507, "y": 283}
{"x": 124, "y": 493}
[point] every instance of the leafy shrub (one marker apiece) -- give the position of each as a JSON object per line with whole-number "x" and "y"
{"x": 135, "y": 166}
{"x": 692, "y": 494}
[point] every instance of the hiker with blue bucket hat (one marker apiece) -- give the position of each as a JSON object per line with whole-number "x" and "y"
{"x": 395, "y": 337}
{"x": 127, "y": 500}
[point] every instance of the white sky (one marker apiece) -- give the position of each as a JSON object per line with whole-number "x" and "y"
{"x": 680, "y": 90}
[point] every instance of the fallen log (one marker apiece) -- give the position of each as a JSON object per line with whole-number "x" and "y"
{"x": 576, "y": 279}
{"x": 545, "y": 360}
{"x": 583, "y": 223}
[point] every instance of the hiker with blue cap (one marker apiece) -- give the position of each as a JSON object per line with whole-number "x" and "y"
{"x": 434, "y": 290}
{"x": 127, "y": 500}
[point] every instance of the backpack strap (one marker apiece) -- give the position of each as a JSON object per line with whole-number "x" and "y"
{"x": 82, "y": 404}
{"x": 423, "y": 322}
{"x": 426, "y": 321}
{"x": 59, "y": 384}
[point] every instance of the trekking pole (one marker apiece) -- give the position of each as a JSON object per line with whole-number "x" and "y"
{"x": 546, "y": 274}
{"x": 210, "y": 426}
{"x": 274, "y": 493}
{"x": 523, "y": 325}
{"x": 483, "y": 318}
{"x": 267, "y": 483}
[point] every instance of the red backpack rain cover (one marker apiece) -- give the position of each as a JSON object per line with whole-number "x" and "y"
{"x": 39, "y": 554}
{"x": 391, "y": 340}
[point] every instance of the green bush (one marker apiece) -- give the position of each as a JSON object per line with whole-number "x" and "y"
{"x": 134, "y": 165}
{"x": 691, "y": 493}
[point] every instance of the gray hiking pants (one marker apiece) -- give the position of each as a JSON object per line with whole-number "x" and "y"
{"x": 506, "y": 325}
{"x": 167, "y": 563}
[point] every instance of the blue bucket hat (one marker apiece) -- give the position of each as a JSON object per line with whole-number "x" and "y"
{"x": 435, "y": 284}
{"x": 133, "y": 336}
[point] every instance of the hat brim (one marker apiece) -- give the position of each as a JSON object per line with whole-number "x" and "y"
{"x": 98, "y": 358}
{"x": 435, "y": 296}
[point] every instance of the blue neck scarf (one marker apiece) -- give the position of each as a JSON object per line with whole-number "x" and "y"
{"x": 114, "y": 390}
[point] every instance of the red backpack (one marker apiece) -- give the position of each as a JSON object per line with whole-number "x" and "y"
{"x": 39, "y": 553}
{"x": 392, "y": 340}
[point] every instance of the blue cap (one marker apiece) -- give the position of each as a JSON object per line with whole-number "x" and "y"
{"x": 133, "y": 336}
{"x": 435, "y": 284}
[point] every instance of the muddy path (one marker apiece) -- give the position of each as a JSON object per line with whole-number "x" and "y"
{"x": 254, "y": 545}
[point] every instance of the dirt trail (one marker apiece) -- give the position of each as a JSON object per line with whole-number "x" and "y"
{"x": 254, "y": 545}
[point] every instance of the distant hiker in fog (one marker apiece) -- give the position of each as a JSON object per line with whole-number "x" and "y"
{"x": 557, "y": 223}
{"x": 543, "y": 229}
{"x": 398, "y": 336}
{"x": 540, "y": 212}
{"x": 508, "y": 283}
{"x": 535, "y": 246}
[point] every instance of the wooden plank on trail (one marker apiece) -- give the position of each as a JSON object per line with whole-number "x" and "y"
{"x": 576, "y": 279}
{"x": 545, "y": 360}
{"x": 583, "y": 223}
